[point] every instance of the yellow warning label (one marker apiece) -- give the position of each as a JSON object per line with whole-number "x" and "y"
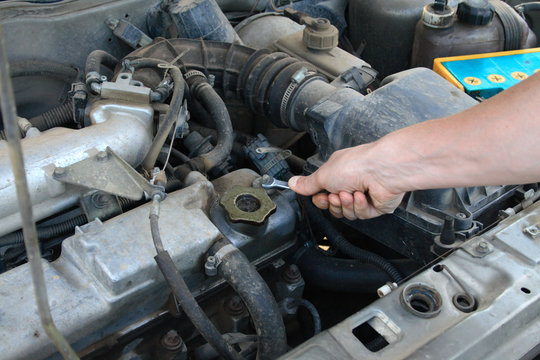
{"x": 496, "y": 78}
{"x": 518, "y": 75}
{"x": 471, "y": 80}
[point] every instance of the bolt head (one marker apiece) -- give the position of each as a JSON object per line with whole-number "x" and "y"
{"x": 171, "y": 340}
{"x": 482, "y": 247}
{"x": 102, "y": 155}
{"x": 59, "y": 172}
{"x": 235, "y": 306}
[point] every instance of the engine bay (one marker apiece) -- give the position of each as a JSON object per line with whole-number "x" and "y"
{"x": 158, "y": 137}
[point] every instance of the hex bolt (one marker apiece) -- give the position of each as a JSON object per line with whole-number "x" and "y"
{"x": 172, "y": 341}
{"x": 210, "y": 266}
{"x": 292, "y": 274}
{"x": 59, "y": 172}
{"x": 102, "y": 155}
{"x": 482, "y": 247}
{"x": 235, "y": 306}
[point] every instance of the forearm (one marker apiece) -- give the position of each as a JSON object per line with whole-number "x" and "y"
{"x": 493, "y": 143}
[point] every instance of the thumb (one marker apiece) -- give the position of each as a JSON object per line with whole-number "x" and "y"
{"x": 304, "y": 185}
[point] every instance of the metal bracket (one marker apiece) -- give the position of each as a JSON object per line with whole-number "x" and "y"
{"x": 478, "y": 247}
{"x": 108, "y": 172}
{"x": 125, "y": 88}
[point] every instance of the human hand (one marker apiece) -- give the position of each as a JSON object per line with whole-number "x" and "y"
{"x": 354, "y": 182}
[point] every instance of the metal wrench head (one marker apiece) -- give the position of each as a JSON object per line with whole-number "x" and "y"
{"x": 268, "y": 182}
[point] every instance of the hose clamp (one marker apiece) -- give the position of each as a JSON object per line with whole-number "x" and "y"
{"x": 212, "y": 262}
{"x": 296, "y": 79}
{"x": 192, "y": 73}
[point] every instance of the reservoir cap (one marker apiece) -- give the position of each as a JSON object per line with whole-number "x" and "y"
{"x": 475, "y": 12}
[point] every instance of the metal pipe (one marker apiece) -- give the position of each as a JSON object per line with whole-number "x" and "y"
{"x": 13, "y": 136}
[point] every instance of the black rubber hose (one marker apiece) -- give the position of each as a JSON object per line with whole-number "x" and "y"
{"x": 529, "y": 6}
{"x": 214, "y": 105}
{"x": 319, "y": 221}
{"x": 53, "y": 70}
{"x": 343, "y": 275}
{"x": 314, "y": 314}
{"x": 184, "y": 297}
{"x": 60, "y": 116}
{"x": 242, "y": 276}
{"x": 192, "y": 309}
{"x": 45, "y": 232}
{"x": 96, "y": 59}
{"x": 172, "y": 113}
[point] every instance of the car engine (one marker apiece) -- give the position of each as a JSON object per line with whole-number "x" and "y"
{"x": 157, "y": 139}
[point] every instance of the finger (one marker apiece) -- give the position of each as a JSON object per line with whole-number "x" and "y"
{"x": 347, "y": 205}
{"x": 321, "y": 201}
{"x": 334, "y": 205}
{"x": 304, "y": 185}
{"x": 363, "y": 209}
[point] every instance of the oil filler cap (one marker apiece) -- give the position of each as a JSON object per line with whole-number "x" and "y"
{"x": 475, "y": 12}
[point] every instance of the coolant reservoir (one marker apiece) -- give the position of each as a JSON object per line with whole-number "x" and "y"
{"x": 477, "y": 26}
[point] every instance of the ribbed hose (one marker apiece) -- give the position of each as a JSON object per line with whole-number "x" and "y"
{"x": 262, "y": 79}
{"x": 320, "y": 222}
{"x": 45, "y": 232}
{"x": 511, "y": 25}
{"x": 59, "y": 116}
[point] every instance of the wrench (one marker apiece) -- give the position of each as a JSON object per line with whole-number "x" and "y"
{"x": 268, "y": 182}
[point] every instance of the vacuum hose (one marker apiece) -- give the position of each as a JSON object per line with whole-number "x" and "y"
{"x": 343, "y": 275}
{"x": 172, "y": 113}
{"x": 319, "y": 221}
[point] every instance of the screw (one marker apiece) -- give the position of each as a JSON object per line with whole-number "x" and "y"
{"x": 59, "y": 172}
{"x": 172, "y": 341}
{"x": 461, "y": 216}
{"x": 292, "y": 274}
{"x": 102, "y": 155}
{"x": 234, "y": 306}
{"x": 482, "y": 247}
